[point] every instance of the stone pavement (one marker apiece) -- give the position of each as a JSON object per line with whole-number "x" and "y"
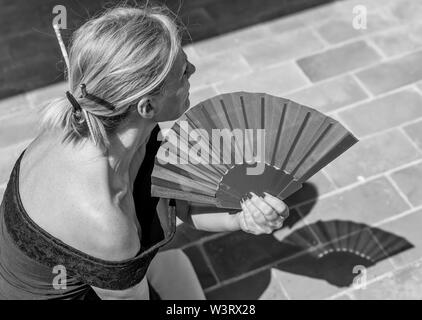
{"x": 30, "y": 57}
{"x": 354, "y": 229}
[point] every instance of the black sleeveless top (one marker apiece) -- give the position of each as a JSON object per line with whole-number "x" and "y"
{"x": 32, "y": 261}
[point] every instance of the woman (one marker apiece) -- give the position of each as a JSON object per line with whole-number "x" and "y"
{"x": 77, "y": 213}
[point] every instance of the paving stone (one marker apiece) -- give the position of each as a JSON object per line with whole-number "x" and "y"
{"x": 342, "y": 261}
{"x": 299, "y": 281}
{"x": 2, "y": 189}
{"x": 294, "y": 222}
{"x": 338, "y": 60}
{"x": 334, "y": 242}
{"x": 395, "y": 42}
{"x": 37, "y": 72}
{"x": 238, "y": 252}
{"x": 274, "y": 291}
{"x": 40, "y": 97}
{"x": 289, "y": 23}
{"x": 203, "y": 20}
{"x": 396, "y": 109}
{"x": 368, "y": 203}
{"x": 231, "y": 41}
{"x": 199, "y": 23}
{"x": 403, "y": 285}
{"x": 339, "y": 30}
{"x": 370, "y": 156}
{"x": 258, "y": 286}
{"x": 201, "y": 267}
{"x": 407, "y": 227}
{"x": 407, "y": 11}
{"x": 255, "y": 12}
{"x": 275, "y": 81}
{"x": 316, "y": 15}
{"x": 17, "y": 129}
{"x": 13, "y": 106}
{"x": 191, "y": 53}
{"x": 326, "y": 276}
{"x": 322, "y": 183}
{"x": 392, "y": 74}
{"x": 345, "y": 8}
{"x": 8, "y": 157}
{"x": 330, "y": 95}
{"x": 30, "y": 43}
{"x": 414, "y": 131}
{"x": 275, "y": 50}
{"x": 409, "y": 182}
{"x": 218, "y": 69}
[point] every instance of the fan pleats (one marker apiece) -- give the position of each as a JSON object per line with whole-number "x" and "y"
{"x": 245, "y": 129}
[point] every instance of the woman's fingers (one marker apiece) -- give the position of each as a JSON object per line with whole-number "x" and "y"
{"x": 250, "y": 222}
{"x": 269, "y": 213}
{"x": 258, "y": 217}
{"x": 262, "y": 215}
{"x": 242, "y": 220}
{"x": 278, "y": 205}
{"x": 256, "y": 212}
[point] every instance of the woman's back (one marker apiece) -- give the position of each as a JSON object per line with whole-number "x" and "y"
{"x": 31, "y": 256}
{"x": 75, "y": 197}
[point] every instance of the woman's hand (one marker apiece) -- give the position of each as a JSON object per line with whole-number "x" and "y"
{"x": 262, "y": 215}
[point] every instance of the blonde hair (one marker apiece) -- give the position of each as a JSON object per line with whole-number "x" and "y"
{"x": 121, "y": 55}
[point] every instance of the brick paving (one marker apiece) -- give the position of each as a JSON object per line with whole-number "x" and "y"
{"x": 368, "y": 200}
{"x": 28, "y": 45}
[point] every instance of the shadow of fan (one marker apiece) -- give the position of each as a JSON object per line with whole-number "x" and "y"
{"x": 327, "y": 250}
{"x": 333, "y": 249}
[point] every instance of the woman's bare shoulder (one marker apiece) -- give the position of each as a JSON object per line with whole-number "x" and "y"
{"x": 75, "y": 206}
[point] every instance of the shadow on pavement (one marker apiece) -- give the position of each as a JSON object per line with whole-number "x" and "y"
{"x": 337, "y": 251}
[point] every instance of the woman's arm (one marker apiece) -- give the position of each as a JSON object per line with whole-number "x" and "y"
{"x": 216, "y": 222}
{"x": 210, "y": 221}
{"x": 258, "y": 215}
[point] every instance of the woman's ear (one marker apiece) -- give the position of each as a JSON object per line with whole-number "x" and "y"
{"x": 145, "y": 108}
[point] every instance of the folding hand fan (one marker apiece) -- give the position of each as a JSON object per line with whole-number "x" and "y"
{"x": 325, "y": 237}
{"x": 234, "y": 143}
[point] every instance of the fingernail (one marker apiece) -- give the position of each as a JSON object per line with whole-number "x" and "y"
{"x": 260, "y": 194}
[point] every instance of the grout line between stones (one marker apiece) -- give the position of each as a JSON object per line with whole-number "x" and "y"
{"x": 379, "y": 278}
{"x": 208, "y": 262}
{"x": 397, "y": 216}
{"x": 372, "y": 45}
{"x": 357, "y": 184}
{"x": 378, "y": 96}
{"x": 408, "y": 137}
{"x": 368, "y": 93}
{"x": 399, "y": 191}
{"x": 331, "y": 180}
{"x": 247, "y": 274}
